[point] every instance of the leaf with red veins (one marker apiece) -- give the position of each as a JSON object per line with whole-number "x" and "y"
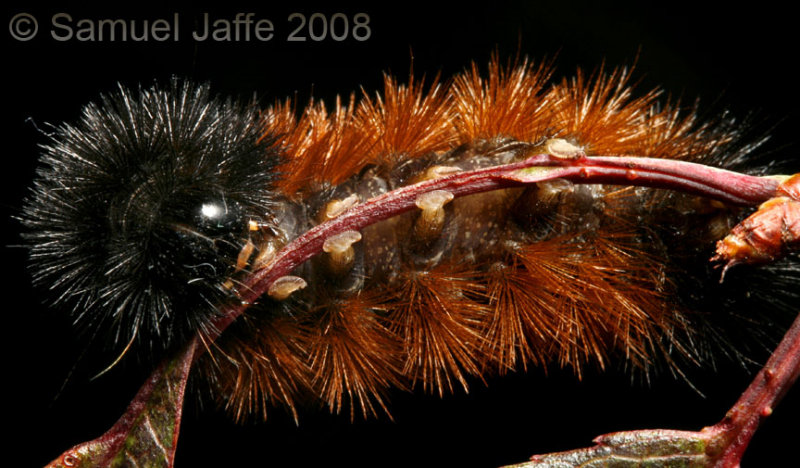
{"x": 147, "y": 434}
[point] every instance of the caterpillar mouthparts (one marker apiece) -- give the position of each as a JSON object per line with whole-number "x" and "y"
{"x": 148, "y": 213}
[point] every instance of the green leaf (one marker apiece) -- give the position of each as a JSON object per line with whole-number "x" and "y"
{"x": 645, "y": 448}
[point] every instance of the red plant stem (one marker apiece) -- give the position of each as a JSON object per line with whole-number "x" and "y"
{"x": 757, "y": 402}
{"x": 731, "y": 187}
{"x": 710, "y": 181}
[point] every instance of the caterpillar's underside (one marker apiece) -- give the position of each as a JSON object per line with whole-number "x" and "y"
{"x": 150, "y": 211}
{"x": 505, "y": 280}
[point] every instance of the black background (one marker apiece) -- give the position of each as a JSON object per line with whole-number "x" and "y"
{"x": 742, "y": 58}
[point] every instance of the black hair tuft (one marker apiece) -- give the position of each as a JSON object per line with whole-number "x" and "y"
{"x": 138, "y": 210}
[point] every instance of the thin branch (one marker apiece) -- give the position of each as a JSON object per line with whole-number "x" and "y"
{"x": 782, "y": 369}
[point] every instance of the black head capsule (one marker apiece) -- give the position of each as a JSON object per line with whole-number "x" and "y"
{"x": 210, "y": 236}
{"x": 142, "y": 210}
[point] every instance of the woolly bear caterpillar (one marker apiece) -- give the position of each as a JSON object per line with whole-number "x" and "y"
{"x": 165, "y": 199}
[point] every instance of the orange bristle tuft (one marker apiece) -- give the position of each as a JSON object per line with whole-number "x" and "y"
{"x": 439, "y": 324}
{"x": 510, "y": 102}
{"x": 268, "y": 369}
{"x": 316, "y": 146}
{"x": 524, "y": 316}
{"x": 353, "y": 355}
{"x": 405, "y": 122}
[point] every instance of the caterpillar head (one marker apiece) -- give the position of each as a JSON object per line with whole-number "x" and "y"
{"x": 139, "y": 210}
